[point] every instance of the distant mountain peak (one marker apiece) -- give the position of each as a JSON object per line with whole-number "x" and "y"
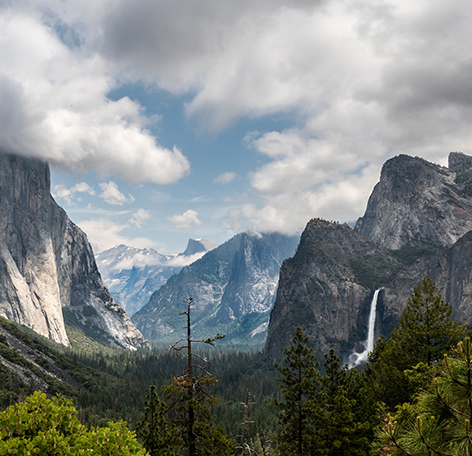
{"x": 233, "y": 287}
{"x": 133, "y": 274}
{"x": 199, "y": 245}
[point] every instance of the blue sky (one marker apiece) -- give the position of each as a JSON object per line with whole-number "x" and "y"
{"x": 168, "y": 120}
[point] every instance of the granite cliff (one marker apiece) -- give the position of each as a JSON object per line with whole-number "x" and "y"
{"x": 418, "y": 222}
{"x": 48, "y": 275}
{"x": 419, "y": 203}
{"x": 233, "y": 287}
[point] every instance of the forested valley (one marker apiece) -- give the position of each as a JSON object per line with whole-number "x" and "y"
{"x": 410, "y": 398}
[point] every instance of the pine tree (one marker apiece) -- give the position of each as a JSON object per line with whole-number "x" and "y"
{"x": 343, "y": 434}
{"x": 155, "y": 432}
{"x": 425, "y": 330}
{"x": 443, "y": 414}
{"x": 424, "y": 333}
{"x": 299, "y": 413}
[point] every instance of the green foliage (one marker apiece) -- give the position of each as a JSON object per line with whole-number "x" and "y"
{"x": 374, "y": 271}
{"x": 343, "y": 430}
{"x": 155, "y": 432}
{"x": 443, "y": 414}
{"x": 408, "y": 360}
{"x": 300, "y": 413}
{"x": 425, "y": 330}
{"x": 410, "y": 253}
{"x": 43, "y": 426}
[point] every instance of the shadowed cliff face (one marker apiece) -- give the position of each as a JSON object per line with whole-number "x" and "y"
{"x": 47, "y": 269}
{"x": 327, "y": 287}
{"x": 422, "y": 213}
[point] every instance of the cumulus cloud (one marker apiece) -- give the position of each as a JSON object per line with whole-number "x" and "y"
{"x": 225, "y": 178}
{"x": 54, "y": 105}
{"x": 362, "y": 81}
{"x": 186, "y": 220}
{"x": 61, "y": 191}
{"x": 288, "y": 212}
{"x": 112, "y": 195}
{"x": 139, "y": 217}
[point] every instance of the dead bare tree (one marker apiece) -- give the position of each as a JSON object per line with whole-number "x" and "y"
{"x": 191, "y": 382}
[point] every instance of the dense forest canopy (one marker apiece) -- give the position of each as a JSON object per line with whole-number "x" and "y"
{"x": 407, "y": 399}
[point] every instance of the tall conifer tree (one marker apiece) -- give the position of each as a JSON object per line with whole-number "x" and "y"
{"x": 425, "y": 330}
{"x": 300, "y": 411}
{"x": 343, "y": 433}
{"x": 191, "y": 402}
{"x": 442, "y": 423}
{"x": 424, "y": 333}
{"x": 156, "y": 433}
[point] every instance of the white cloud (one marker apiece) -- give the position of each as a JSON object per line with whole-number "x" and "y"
{"x": 139, "y": 217}
{"x": 53, "y": 104}
{"x": 112, "y": 195}
{"x": 104, "y": 234}
{"x": 288, "y": 211}
{"x": 184, "y": 260}
{"x": 361, "y": 81}
{"x": 61, "y": 191}
{"x": 186, "y": 220}
{"x": 225, "y": 178}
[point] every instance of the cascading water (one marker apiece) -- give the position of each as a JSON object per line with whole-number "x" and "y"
{"x": 357, "y": 358}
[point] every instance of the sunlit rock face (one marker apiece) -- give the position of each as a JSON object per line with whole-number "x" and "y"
{"x": 418, "y": 223}
{"x": 233, "y": 287}
{"x": 48, "y": 274}
{"x": 419, "y": 203}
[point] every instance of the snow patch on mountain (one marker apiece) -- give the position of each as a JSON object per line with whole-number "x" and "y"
{"x": 133, "y": 274}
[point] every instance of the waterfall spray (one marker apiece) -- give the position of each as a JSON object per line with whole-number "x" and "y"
{"x": 357, "y": 358}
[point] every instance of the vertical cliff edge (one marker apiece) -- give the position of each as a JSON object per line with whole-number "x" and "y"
{"x": 48, "y": 275}
{"x": 418, "y": 223}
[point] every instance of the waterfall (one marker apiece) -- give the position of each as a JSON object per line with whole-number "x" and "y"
{"x": 357, "y": 358}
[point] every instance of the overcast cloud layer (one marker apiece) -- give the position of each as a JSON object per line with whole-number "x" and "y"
{"x": 362, "y": 81}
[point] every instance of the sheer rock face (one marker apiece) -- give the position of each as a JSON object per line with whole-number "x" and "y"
{"x": 47, "y": 268}
{"x": 327, "y": 287}
{"x": 418, "y": 203}
{"x": 417, "y": 223}
{"x": 233, "y": 287}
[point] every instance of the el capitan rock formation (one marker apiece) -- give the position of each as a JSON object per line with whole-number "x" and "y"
{"x": 48, "y": 275}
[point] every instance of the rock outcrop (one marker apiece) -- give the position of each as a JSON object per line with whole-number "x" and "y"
{"x": 233, "y": 287}
{"x": 418, "y": 222}
{"x": 327, "y": 287}
{"x": 48, "y": 275}
{"x": 417, "y": 203}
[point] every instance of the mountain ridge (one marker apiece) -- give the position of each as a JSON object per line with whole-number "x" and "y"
{"x": 233, "y": 287}
{"x": 418, "y": 222}
{"x": 133, "y": 274}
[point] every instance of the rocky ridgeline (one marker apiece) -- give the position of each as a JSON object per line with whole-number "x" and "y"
{"x": 48, "y": 275}
{"x": 417, "y": 223}
{"x": 132, "y": 275}
{"x": 233, "y": 287}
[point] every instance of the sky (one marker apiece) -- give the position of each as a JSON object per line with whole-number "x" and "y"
{"x": 169, "y": 120}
